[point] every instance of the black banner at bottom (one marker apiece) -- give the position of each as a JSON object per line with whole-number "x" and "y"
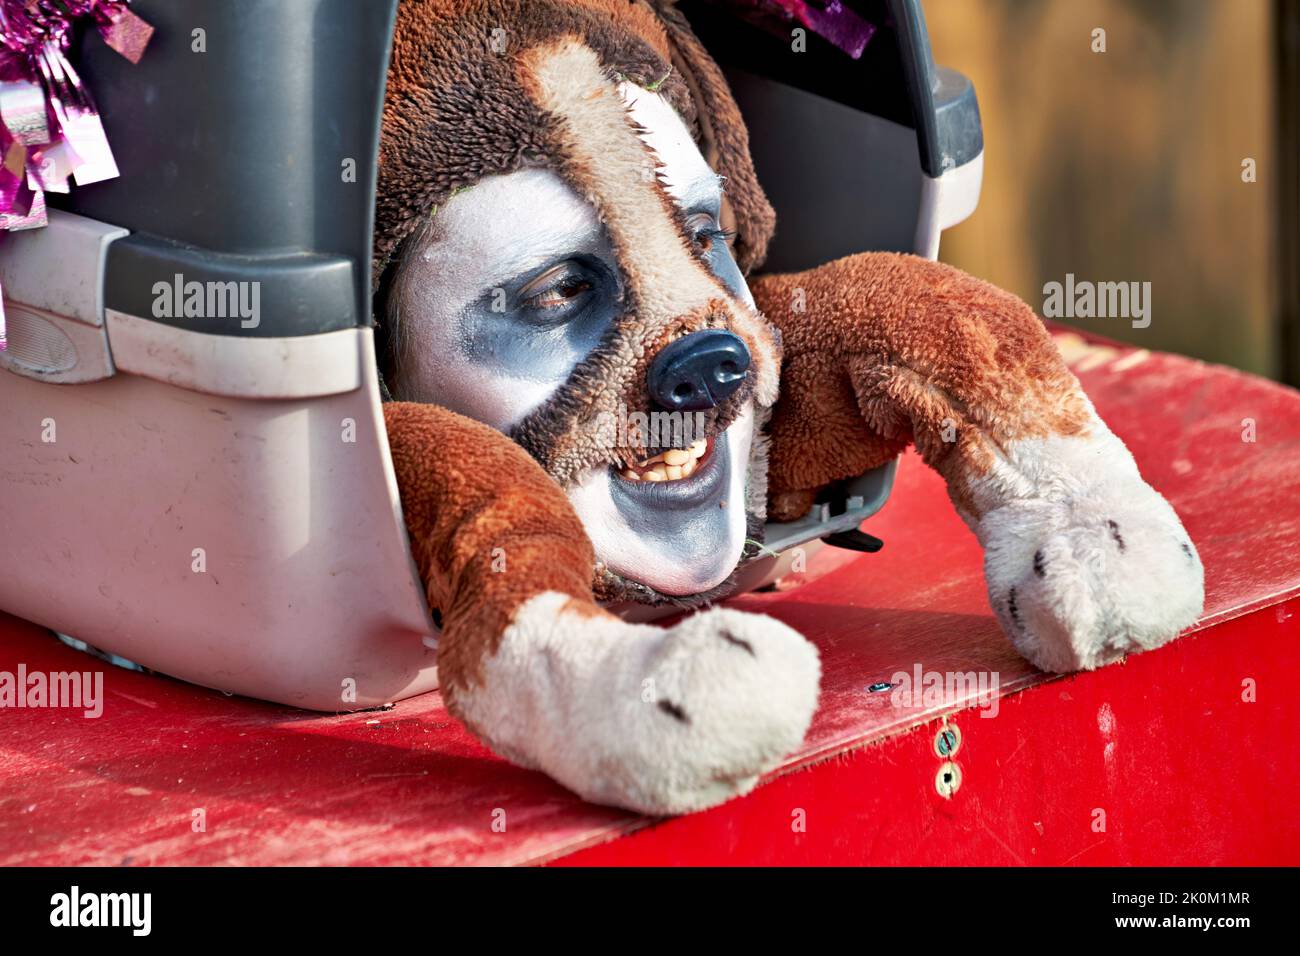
{"x": 352, "y": 908}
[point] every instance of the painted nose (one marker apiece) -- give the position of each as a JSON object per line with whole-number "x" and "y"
{"x": 698, "y": 371}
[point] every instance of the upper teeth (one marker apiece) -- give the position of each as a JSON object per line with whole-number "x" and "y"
{"x": 669, "y": 465}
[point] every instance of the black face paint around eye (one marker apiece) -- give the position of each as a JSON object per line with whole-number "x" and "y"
{"x": 540, "y": 325}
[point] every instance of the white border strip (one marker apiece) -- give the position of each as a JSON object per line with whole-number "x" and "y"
{"x": 302, "y": 366}
{"x": 947, "y": 201}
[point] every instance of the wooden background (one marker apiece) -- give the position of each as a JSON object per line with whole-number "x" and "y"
{"x": 1126, "y": 165}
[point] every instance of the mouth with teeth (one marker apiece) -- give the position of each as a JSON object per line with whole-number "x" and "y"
{"x": 679, "y": 480}
{"x": 674, "y": 464}
{"x": 670, "y": 521}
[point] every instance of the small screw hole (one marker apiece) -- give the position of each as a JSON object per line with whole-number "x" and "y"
{"x": 948, "y": 780}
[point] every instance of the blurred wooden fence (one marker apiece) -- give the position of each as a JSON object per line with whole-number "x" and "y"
{"x": 1127, "y": 165}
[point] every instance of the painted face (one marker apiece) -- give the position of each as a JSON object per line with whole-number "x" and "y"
{"x": 520, "y": 287}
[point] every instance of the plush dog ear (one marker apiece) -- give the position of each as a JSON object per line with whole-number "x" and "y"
{"x": 724, "y": 139}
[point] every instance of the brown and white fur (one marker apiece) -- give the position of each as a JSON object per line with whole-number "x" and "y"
{"x": 591, "y": 143}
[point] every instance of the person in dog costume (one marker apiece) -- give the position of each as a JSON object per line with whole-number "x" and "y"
{"x": 567, "y": 214}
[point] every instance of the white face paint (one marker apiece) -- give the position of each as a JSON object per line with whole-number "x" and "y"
{"x": 454, "y": 287}
{"x": 473, "y": 337}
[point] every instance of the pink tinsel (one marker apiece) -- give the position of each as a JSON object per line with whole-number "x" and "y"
{"x": 50, "y": 130}
{"x": 829, "y": 19}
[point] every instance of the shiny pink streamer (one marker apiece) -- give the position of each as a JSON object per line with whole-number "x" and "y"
{"x": 50, "y": 129}
{"x": 829, "y": 19}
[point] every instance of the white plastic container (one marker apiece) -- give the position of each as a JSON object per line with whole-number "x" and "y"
{"x": 217, "y": 502}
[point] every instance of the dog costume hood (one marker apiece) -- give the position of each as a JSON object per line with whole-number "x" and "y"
{"x": 463, "y": 91}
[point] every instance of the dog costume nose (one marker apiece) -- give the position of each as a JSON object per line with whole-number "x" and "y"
{"x": 698, "y": 371}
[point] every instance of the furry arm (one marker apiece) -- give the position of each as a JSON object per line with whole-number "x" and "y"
{"x": 1084, "y": 561}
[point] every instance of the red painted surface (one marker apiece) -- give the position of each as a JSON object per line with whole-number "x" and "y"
{"x": 1155, "y": 762}
{"x": 1185, "y": 770}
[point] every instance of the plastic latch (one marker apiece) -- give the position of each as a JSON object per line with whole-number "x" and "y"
{"x": 855, "y": 540}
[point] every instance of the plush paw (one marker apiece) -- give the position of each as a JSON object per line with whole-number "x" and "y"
{"x": 658, "y": 721}
{"x": 704, "y": 708}
{"x": 1078, "y": 582}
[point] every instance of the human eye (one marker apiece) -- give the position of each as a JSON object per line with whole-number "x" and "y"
{"x": 705, "y": 232}
{"x": 559, "y": 292}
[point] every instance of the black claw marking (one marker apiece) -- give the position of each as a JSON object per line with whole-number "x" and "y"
{"x": 1114, "y": 533}
{"x": 674, "y": 711}
{"x": 1039, "y": 569}
{"x": 1187, "y": 550}
{"x": 1013, "y": 610}
{"x": 739, "y": 642}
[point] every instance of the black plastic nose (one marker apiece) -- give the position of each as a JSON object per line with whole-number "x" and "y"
{"x": 698, "y": 371}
